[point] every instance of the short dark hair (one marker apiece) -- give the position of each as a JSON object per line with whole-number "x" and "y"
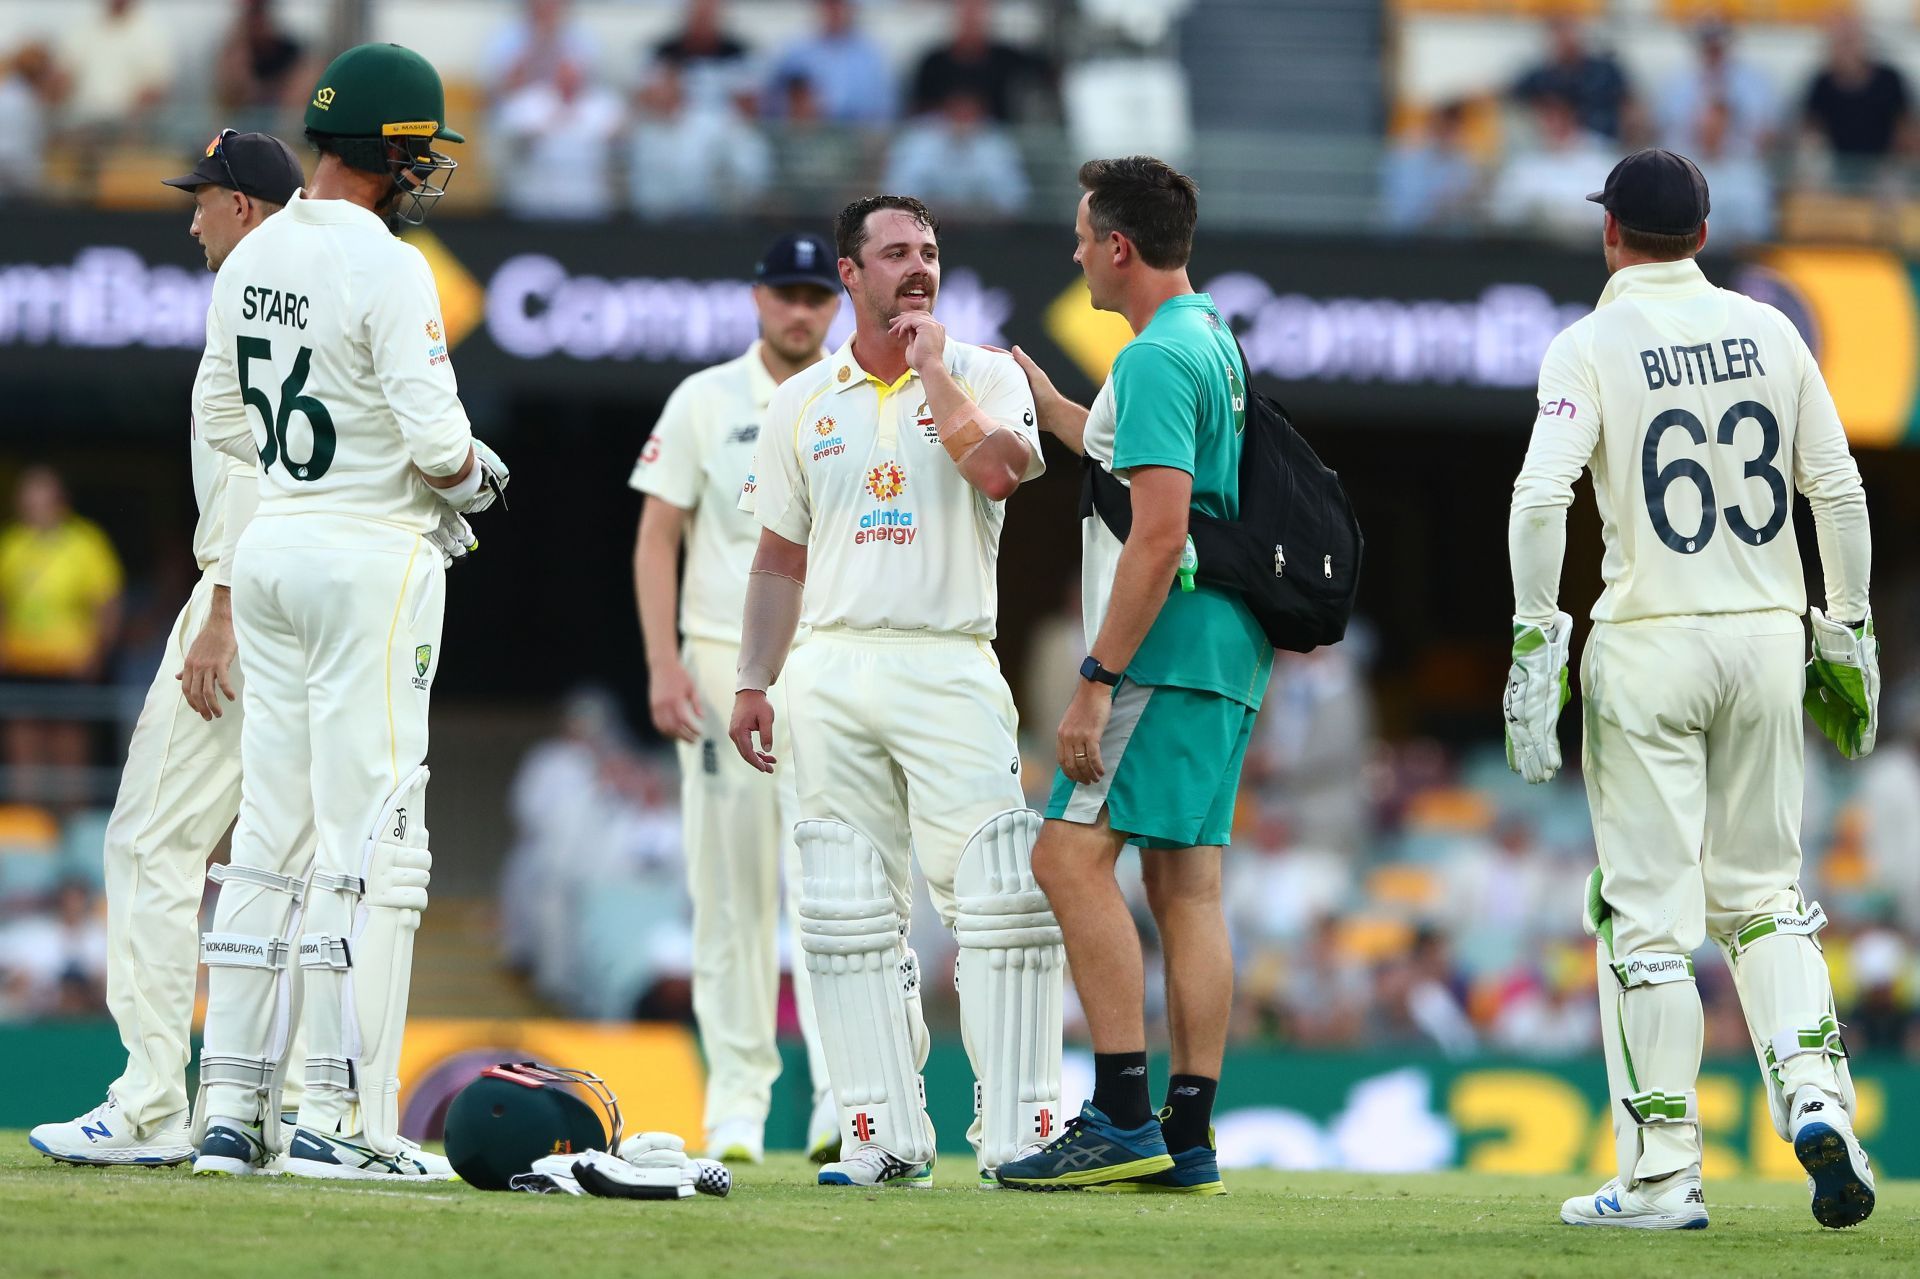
{"x": 850, "y": 228}
{"x": 1148, "y": 201}
{"x": 1660, "y": 248}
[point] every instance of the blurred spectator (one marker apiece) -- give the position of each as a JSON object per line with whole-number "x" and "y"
{"x": 1326, "y": 992}
{"x": 714, "y": 67}
{"x": 690, "y": 159}
{"x": 1431, "y": 181}
{"x": 1592, "y": 83}
{"x": 533, "y": 47}
{"x": 261, "y": 66}
{"x": 844, "y": 67}
{"x": 118, "y": 66}
{"x": 1424, "y": 998}
{"x": 29, "y": 87}
{"x": 1545, "y": 190}
{"x": 1881, "y": 1018}
{"x": 959, "y": 161}
{"x": 1738, "y": 183}
{"x": 1311, "y": 742}
{"x": 559, "y": 136}
{"x": 1275, "y": 887}
{"x": 1721, "y": 103}
{"x": 55, "y": 965}
{"x": 59, "y": 610}
{"x": 1000, "y": 74}
{"x": 1857, "y": 105}
{"x": 1889, "y": 798}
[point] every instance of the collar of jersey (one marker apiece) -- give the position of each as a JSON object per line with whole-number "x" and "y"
{"x": 760, "y": 383}
{"x": 1670, "y": 278}
{"x": 848, "y": 373}
{"x": 330, "y": 212}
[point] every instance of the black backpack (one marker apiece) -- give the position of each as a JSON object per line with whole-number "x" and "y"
{"x": 1293, "y": 555}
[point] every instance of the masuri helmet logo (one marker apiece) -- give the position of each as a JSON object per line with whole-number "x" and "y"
{"x": 324, "y": 98}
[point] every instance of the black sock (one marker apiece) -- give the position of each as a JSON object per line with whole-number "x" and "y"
{"x": 1120, "y": 1088}
{"x": 1190, "y": 1098}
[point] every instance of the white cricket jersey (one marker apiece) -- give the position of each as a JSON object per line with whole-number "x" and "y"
{"x": 1700, "y": 413}
{"x": 327, "y": 360}
{"x": 853, "y": 469}
{"x": 699, "y": 455}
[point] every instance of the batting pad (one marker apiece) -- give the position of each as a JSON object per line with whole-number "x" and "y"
{"x": 359, "y": 962}
{"x": 253, "y": 999}
{"x": 1010, "y": 967}
{"x": 1787, "y": 997}
{"x": 859, "y": 967}
{"x": 1653, "y": 1030}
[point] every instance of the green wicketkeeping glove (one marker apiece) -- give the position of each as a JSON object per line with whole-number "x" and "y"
{"x": 1536, "y": 692}
{"x": 1843, "y": 683}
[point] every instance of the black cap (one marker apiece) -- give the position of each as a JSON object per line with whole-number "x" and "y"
{"x": 1657, "y": 192}
{"x": 255, "y": 164}
{"x": 795, "y": 258}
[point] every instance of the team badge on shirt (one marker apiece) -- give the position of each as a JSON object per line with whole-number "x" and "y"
{"x": 422, "y": 660}
{"x": 923, "y": 418}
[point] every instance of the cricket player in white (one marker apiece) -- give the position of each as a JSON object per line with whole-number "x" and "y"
{"x": 326, "y": 358}
{"x": 1700, "y": 414}
{"x": 738, "y": 821}
{"x": 880, "y": 482}
{"x": 181, "y": 786}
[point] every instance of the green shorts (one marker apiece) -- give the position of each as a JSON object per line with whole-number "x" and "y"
{"x": 1172, "y": 758}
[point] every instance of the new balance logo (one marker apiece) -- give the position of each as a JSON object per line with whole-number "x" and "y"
{"x": 1130, "y": 1071}
{"x": 1601, "y": 1203}
{"x": 1812, "y": 1106}
{"x": 95, "y": 1132}
{"x": 1186, "y": 1090}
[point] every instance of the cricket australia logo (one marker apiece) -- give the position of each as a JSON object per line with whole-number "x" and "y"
{"x": 422, "y": 660}
{"x": 827, "y": 442}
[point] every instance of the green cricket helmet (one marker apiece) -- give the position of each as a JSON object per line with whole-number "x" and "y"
{"x": 517, "y": 1112}
{"x": 380, "y": 107}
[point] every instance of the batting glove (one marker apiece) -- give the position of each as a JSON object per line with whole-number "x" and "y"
{"x": 486, "y": 483}
{"x": 1843, "y": 683}
{"x": 1536, "y": 692}
{"x": 453, "y": 538}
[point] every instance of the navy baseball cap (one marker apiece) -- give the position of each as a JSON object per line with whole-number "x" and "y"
{"x": 796, "y": 258}
{"x": 255, "y": 164}
{"x": 1655, "y": 191}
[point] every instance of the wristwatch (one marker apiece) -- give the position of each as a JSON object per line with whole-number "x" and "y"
{"x": 1090, "y": 669}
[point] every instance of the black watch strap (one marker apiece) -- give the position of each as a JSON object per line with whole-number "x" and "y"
{"x": 1090, "y": 669}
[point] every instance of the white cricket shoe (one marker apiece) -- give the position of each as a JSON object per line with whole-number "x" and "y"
{"x": 1838, "y": 1174}
{"x": 105, "y": 1136}
{"x": 737, "y": 1141}
{"x": 329, "y": 1157}
{"x": 231, "y": 1148}
{"x": 990, "y": 1177}
{"x": 872, "y": 1166}
{"x": 823, "y": 1130}
{"x": 1672, "y": 1203}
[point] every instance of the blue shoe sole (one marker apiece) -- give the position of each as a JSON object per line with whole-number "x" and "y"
{"x": 151, "y": 1161}
{"x": 1840, "y": 1198}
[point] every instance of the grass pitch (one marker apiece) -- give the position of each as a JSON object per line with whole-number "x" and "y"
{"x": 62, "y": 1221}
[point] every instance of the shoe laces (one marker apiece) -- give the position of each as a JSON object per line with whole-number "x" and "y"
{"x": 1069, "y": 1132}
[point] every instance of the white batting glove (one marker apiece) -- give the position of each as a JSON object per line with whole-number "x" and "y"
{"x": 453, "y": 538}
{"x": 485, "y": 484}
{"x": 1536, "y": 691}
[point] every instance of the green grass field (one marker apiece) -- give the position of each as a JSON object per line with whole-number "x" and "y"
{"x": 60, "y": 1221}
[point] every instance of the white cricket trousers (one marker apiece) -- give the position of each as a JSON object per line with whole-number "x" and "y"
{"x": 178, "y": 794}
{"x": 910, "y": 738}
{"x": 339, "y": 621}
{"x": 1694, "y": 772}
{"x": 738, "y": 837}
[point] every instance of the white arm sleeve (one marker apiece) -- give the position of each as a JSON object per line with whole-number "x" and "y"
{"x": 242, "y": 499}
{"x": 1565, "y": 432}
{"x": 1824, "y": 470}
{"x": 409, "y": 346}
{"x": 221, "y": 415}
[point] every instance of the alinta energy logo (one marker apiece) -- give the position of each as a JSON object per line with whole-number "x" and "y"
{"x": 826, "y": 442}
{"x": 886, "y": 525}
